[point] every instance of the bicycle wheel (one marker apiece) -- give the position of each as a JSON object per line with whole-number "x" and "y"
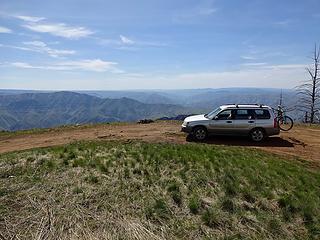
{"x": 285, "y": 123}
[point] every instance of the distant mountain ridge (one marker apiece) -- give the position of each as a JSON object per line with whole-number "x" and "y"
{"x": 206, "y": 99}
{"x": 23, "y": 109}
{"x": 202, "y": 99}
{"x": 40, "y": 110}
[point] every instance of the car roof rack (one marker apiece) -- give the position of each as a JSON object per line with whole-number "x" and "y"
{"x": 256, "y": 104}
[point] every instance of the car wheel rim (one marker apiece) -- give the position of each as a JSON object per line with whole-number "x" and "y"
{"x": 200, "y": 134}
{"x": 257, "y": 135}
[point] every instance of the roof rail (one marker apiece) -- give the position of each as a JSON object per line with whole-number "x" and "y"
{"x": 257, "y": 104}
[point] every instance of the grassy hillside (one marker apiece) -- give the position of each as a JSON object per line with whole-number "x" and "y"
{"x": 132, "y": 190}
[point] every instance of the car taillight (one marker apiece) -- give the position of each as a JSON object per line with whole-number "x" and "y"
{"x": 275, "y": 123}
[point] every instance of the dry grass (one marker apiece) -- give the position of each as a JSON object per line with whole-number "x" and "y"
{"x": 117, "y": 190}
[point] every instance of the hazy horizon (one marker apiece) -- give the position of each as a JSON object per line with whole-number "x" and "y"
{"x": 147, "y": 90}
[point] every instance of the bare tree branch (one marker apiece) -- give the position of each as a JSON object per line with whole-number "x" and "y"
{"x": 309, "y": 90}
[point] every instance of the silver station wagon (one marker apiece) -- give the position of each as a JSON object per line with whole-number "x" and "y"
{"x": 253, "y": 120}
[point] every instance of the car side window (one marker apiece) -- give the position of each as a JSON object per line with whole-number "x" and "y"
{"x": 224, "y": 115}
{"x": 262, "y": 114}
{"x": 242, "y": 114}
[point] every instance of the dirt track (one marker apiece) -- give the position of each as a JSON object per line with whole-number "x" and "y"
{"x": 301, "y": 142}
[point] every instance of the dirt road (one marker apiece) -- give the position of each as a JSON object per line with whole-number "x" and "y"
{"x": 300, "y": 142}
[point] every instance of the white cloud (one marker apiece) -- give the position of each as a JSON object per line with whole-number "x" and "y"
{"x": 127, "y": 48}
{"x": 21, "y": 65}
{"x": 59, "y": 29}
{"x": 248, "y": 57}
{"x": 126, "y": 40}
{"x": 286, "y": 66}
{"x": 283, "y": 23}
{"x": 254, "y": 64}
{"x": 38, "y": 46}
{"x": 151, "y": 44}
{"x": 206, "y": 11}
{"x": 194, "y": 14}
{"x": 41, "y": 25}
{"x": 29, "y": 18}
{"x": 96, "y": 65}
{"x": 36, "y": 43}
{"x": 5, "y": 30}
{"x": 277, "y": 76}
{"x": 15, "y": 47}
{"x": 269, "y": 76}
{"x": 93, "y": 65}
{"x": 124, "y": 43}
{"x": 41, "y": 47}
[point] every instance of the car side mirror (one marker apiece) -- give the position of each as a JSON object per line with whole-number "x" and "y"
{"x": 215, "y": 118}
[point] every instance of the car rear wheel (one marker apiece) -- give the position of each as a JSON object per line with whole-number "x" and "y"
{"x": 257, "y": 135}
{"x": 200, "y": 133}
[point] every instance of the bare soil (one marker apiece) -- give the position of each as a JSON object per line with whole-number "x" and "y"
{"x": 300, "y": 142}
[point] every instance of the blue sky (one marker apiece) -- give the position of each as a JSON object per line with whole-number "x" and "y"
{"x": 163, "y": 44}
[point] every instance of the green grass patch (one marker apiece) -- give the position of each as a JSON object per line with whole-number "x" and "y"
{"x": 156, "y": 191}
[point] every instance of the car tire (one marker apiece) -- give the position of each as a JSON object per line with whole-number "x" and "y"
{"x": 200, "y": 133}
{"x": 257, "y": 135}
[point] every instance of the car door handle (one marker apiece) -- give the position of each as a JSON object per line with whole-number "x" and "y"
{"x": 229, "y": 121}
{"x": 250, "y": 121}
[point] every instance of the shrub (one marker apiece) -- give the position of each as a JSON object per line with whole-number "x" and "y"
{"x": 158, "y": 210}
{"x": 194, "y": 204}
{"x": 211, "y": 218}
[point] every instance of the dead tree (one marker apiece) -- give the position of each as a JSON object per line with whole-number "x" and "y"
{"x": 309, "y": 90}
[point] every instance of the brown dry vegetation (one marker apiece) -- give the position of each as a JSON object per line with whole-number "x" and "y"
{"x": 301, "y": 142}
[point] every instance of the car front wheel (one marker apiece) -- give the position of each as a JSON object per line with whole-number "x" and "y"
{"x": 200, "y": 133}
{"x": 257, "y": 135}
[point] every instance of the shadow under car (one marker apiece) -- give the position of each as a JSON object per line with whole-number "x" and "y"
{"x": 274, "y": 141}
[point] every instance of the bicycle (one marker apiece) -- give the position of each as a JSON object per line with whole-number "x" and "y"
{"x": 285, "y": 122}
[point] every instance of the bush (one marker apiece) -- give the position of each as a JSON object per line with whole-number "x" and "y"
{"x": 158, "y": 210}
{"x": 194, "y": 204}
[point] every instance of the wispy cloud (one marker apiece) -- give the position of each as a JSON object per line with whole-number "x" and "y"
{"x": 126, "y": 40}
{"x": 263, "y": 65}
{"x": 59, "y": 29}
{"x": 254, "y": 64}
{"x": 41, "y": 25}
{"x": 93, "y": 65}
{"x": 283, "y": 23}
{"x": 277, "y": 76}
{"x": 125, "y": 43}
{"x": 247, "y": 57}
{"x": 261, "y": 76}
{"x": 40, "y": 47}
{"x": 96, "y": 65}
{"x": 195, "y": 13}
{"x": 286, "y": 66}
{"x": 21, "y": 65}
{"x": 5, "y": 30}
{"x": 29, "y": 18}
{"x": 256, "y": 54}
{"x": 15, "y": 47}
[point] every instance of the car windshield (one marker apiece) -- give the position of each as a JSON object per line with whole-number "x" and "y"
{"x": 213, "y": 113}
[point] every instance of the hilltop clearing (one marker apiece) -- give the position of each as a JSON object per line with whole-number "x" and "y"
{"x": 301, "y": 142}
